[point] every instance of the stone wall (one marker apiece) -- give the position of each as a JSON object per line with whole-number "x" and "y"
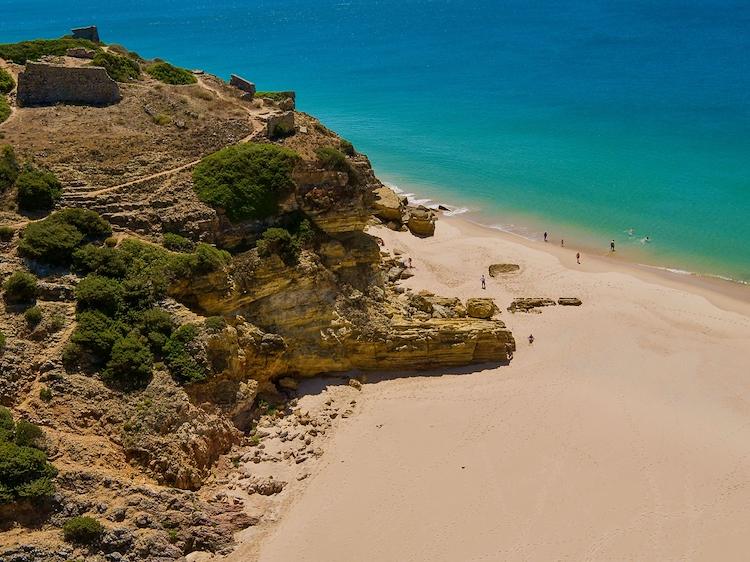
{"x": 90, "y": 33}
{"x": 47, "y": 84}
{"x": 242, "y": 84}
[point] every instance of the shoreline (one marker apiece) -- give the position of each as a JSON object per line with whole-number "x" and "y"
{"x": 726, "y": 294}
{"x": 530, "y": 229}
{"x": 621, "y": 433}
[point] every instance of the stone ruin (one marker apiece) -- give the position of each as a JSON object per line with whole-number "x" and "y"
{"x": 242, "y": 84}
{"x": 280, "y": 124}
{"x": 48, "y": 84}
{"x": 90, "y": 33}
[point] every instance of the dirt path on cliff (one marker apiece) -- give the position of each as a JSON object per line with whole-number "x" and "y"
{"x": 622, "y": 433}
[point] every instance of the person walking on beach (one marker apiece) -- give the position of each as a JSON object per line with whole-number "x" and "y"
{"x": 531, "y": 339}
{"x": 562, "y": 243}
{"x": 484, "y": 284}
{"x": 410, "y": 266}
{"x": 545, "y": 236}
{"x": 578, "y": 257}
{"x": 612, "y": 245}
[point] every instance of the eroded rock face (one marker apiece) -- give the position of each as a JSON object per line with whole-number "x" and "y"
{"x": 388, "y": 206}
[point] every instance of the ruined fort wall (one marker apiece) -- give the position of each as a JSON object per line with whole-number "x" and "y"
{"x": 45, "y": 84}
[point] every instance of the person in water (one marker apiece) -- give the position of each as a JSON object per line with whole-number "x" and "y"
{"x": 484, "y": 284}
{"x": 578, "y": 257}
{"x": 612, "y": 245}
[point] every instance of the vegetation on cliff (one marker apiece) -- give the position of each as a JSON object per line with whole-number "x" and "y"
{"x": 20, "y": 287}
{"x": 37, "y": 189}
{"x": 119, "y": 68}
{"x": 333, "y": 159}
{"x": 34, "y": 50}
{"x": 9, "y": 167}
{"x": 246, "y": 180}
{"x": 170, "y": 74}
{"x": 25, "y": 473}
{"x": 6, "y": 82}
{"x": 54, "y": 239}
{"x": 82, "y": 530}
{"x": 4, "y": 108}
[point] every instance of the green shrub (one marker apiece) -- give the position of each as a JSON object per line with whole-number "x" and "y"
{"x": 4, "y": 108}
{"x": 214, "y": 324}
{"x": 245, "y": 180}
{"x": 332, "y": 159}
{"x": 141, "y": 291}
{"x": 156, "y": 325}
{"x": 6, "y": 233}
{"x": 45, "y": 394}
{"x": 278, "y": 241}
{"x": 170, "y": 74}
{"x": 120, "y": 50}
{"x": 34, "y": 50}
{"x": 182, "y": 364}
{"x": 96, "y": 292}
{"x": 27, "y": 434}
{"x": 209, "y": 258}
{"x": 2, "y": 340}
{"x": 130, "y": 364}
{"x": 6, "y": 82}
{"x": 24, "y": 470}
{"x": 82, "y": 530}
{"x": 72, "y": 356}
{"x": 95, "y": 333}
{"x": 37, "y": 190}
{"x": 161, "y": 119}
{"x": 275, "y": 96}
{"x": 119, "y": 68}
{"x": 54, "y": 239}
{"x": 102, "y": 260}
{"x": 110, "y": 242}
{"x": 347, "y": 147}
{"x": 20, "y": 287}
{"x": 56, "y": 322}
{"x": 177, "y": 243}
{"x": 9, "y": 167}
{"x": 33, "y": 315}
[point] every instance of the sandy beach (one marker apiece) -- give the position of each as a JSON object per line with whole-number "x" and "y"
{"x": 622, "y": 433}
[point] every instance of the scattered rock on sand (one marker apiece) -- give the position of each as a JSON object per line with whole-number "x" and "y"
{"x": 569, "y": 301}
{"x": 421, "y": 221}
{"x": 501, "y": 268}
{"x": 483, "y": 308}
{"x": 529, "y": 304}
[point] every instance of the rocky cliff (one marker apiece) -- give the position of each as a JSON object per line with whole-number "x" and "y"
{"x": 302, "y": 291}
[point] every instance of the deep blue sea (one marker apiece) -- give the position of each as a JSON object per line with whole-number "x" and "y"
{"x": 592, "y": 119}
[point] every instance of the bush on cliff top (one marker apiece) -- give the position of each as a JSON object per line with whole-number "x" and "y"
{"x": 4, "y": 108}
{"x": 34, "y": 50}
{"x": 54, "y": 239}
{"x": 25, "y": 473}
{"x": 130, "y": 363}
{"x": 9, "y": 167}
{"x": 82, "y": 530}
{"x": 37, "y": 189}
{"x": 119, "y": 68}
{"x": 20, "y": 287}
{"x": 170, "y": 74}
{"x": 246, "y": 180}
{"x": 6, "y": 81}
{"x": 275, "y": 96}
{"x": 333, "y": 159}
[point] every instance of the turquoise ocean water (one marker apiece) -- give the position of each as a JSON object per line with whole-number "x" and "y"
{"x": 587, "y": 118}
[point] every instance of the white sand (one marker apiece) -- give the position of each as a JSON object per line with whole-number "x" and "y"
{"x": 623, "y": 433}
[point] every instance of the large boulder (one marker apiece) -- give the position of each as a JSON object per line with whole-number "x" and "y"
{"x": 527, "y": 304}
{"x": 481, "y": 308}
{"x": 421, "y": 221}
{"x": 502, "y": 268}
{"x": 388, "y": 206}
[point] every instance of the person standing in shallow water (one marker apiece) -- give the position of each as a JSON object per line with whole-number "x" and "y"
{"x": 612, "y": 245}
{"x": 484, "y": 284}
